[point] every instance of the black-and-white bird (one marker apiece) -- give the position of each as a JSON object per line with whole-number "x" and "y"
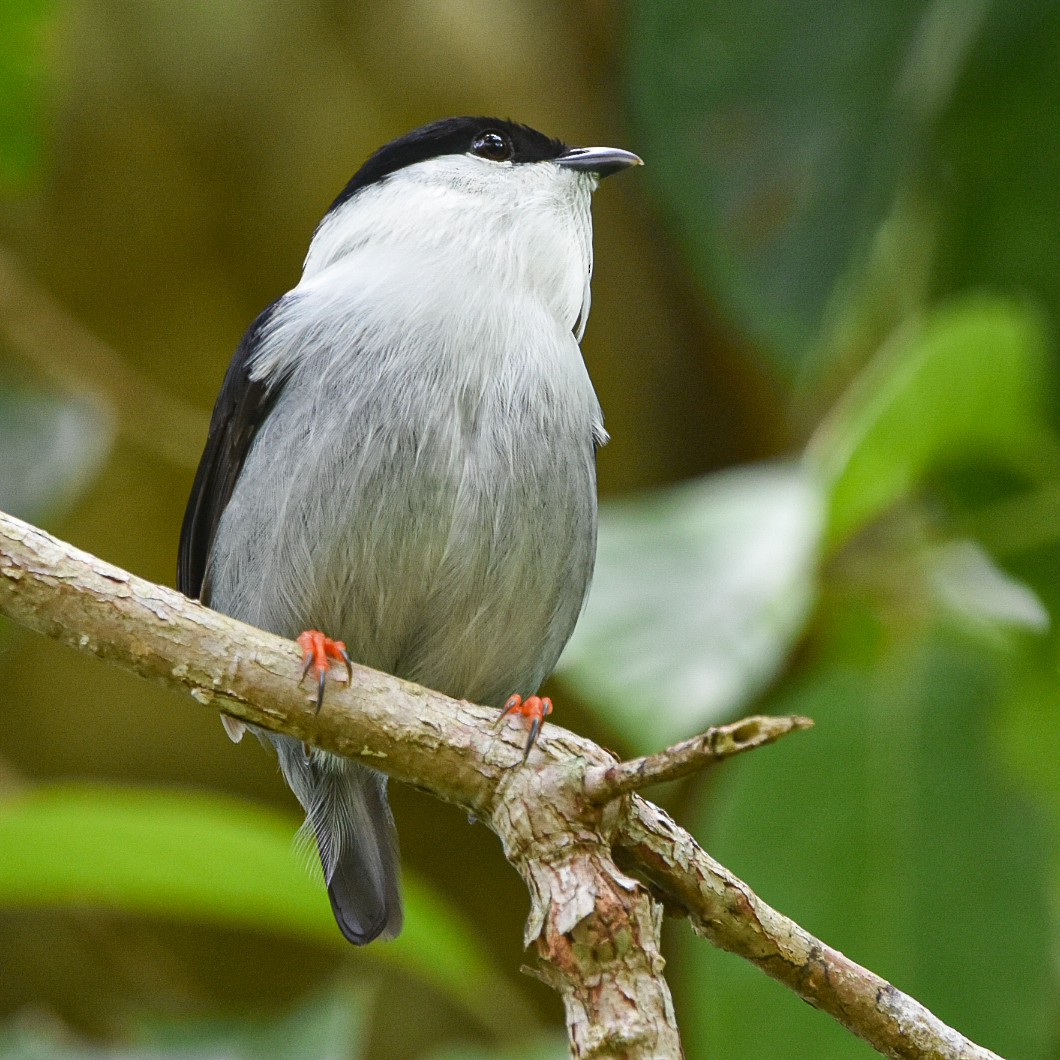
{"x": 402, "y": 454}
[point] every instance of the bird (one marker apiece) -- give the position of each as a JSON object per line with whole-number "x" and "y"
{"x": 400, "y": 468}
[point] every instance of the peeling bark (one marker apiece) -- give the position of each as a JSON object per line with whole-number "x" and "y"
{"x": 593, "y": 926}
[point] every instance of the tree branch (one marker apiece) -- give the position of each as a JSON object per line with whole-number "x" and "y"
{"x": 603, "y": 783}
{"x": 723, "y": 909}
{"x": 593, "y": 927}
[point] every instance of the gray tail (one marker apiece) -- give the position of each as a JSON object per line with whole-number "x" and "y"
{"x": 348, "y": 814}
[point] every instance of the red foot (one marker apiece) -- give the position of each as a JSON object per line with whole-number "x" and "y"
{"x": 317, "y": 650}
{"x": 535, "y": 708}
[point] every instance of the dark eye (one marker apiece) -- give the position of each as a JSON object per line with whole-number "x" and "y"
{"x": 493, "y": 145}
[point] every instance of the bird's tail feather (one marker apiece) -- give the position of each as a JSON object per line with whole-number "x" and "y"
{"x": 348, "y": 814}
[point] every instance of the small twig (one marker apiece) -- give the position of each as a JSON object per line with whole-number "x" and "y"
{"x": 603, "y": 783}
{"x": 594, "y": 929}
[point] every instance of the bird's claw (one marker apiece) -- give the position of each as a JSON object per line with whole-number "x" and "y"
{"x": 317, "y": 653}
{"x": 534, "y": 708}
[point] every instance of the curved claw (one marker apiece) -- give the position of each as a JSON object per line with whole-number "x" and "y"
{"x": 534, "y": 708}
{"x": 317, "y": 653}
{"x": 341, "y": 648}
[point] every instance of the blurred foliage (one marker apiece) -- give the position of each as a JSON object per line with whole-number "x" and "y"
{"x": 331, "y": 1026}
{"x": 966, "y": 385}
{"x": 836, "y": 278}
{"x": 552, "y": 1048}
{"x": 50, "y": 449}
{"x": 143, "y": 851}
{"x": 898, "y": 840}
{"x": 774, "y": 148}
{"x": 699, "y": 593}
{"x": 26, "y": 72}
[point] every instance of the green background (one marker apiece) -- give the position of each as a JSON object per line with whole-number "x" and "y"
{"x": 824, "y": 335}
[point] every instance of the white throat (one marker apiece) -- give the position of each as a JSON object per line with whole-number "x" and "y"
{"x": 524, "y": 229}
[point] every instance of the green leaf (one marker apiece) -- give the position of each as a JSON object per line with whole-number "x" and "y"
{"x": 966, "y": 386}
{"x": 778, "y": 136}
{"x": 968, "y": 583}
{"x": 554, "y": 1047}
{"x": 894, "y": 834}
{"x": 26, "y": 33}
{"x": 699, "y": 592}
{"x": 330, "y": 1026}
{"x": 49, "y": 451}
{"x": 218, "y": 860}
{"x": 999, "y": 211}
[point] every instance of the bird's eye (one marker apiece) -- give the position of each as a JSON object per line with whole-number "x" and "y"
{"x": 495, "y": 146}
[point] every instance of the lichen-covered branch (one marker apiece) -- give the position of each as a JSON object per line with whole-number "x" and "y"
{"x": 593, "y": 926}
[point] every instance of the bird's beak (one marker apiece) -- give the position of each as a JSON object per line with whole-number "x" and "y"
{"x": 603, "y": 161}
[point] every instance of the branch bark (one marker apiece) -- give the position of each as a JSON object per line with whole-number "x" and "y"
{"x": 562, "y": 820}
{"x": 722, "y": 741}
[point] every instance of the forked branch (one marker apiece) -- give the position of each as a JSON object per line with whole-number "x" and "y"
{"x": 593, "y": 926}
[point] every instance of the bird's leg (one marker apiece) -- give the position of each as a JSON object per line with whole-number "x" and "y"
{"x": 533, "y": 708}
{"x": 317, "y": 653}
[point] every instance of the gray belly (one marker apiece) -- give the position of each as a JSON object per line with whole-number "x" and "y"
{"x": 448, "y": 542}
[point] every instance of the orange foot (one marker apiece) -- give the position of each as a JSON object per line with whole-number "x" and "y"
{"x": 317, "y": 651}
{"x": 535, "y": 708}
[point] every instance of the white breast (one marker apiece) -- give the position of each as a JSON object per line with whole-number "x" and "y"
{"x": 425, "y": 486}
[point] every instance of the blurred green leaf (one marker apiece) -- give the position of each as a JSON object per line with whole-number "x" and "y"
{"x": 218, "y": 860}
{"x": 698, "y": 594}
{"x": 328, "y": 1026}
{"x": 966, "y": 385}
{"x": 968, "y": 583}
{"x": 894, "y": 834}
{"x": 996, "y": 158}
{"x": 780, "y": 134}
{"x": 49, "y": 450}
{"x": 26, "y": 31}
{"x": 554, "y": 1047}
{"x": 1030, "y": 733}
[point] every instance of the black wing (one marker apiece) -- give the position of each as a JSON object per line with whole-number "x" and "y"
{"x": 242, "y": 407}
